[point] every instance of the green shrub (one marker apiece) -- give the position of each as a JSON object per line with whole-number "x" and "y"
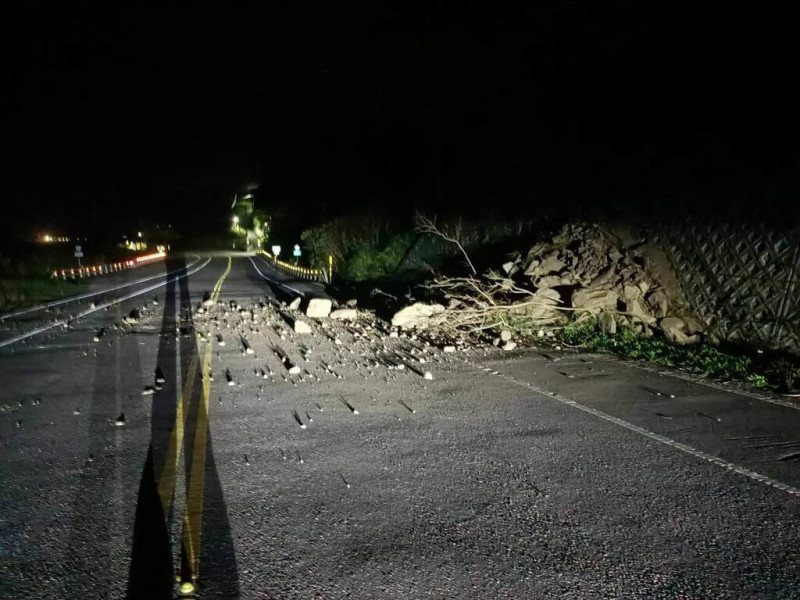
{"x": 361, "y": 249}
{"x": 20, "y": 292}
{"x": 702, "y": 358}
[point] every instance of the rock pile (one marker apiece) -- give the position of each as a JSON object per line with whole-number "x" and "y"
{"x": 582, "y": 271}
{"x": 594, "y": 276}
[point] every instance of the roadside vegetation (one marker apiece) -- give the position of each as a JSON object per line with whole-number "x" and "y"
{"x": 21, "y": 292}
{"x": 26, "y": 281}
{"x": 362, "y": 250}
{"x": 758, "y": 370}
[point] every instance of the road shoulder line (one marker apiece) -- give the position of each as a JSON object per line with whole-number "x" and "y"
{"x": 647, "y": 433}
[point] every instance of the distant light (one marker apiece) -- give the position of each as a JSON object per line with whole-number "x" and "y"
{"x": 147, "y": 257}
{"x": 247, "y": 196}
{"x": 48, "y": 238}
{"x": 235, "y": 219}
{"x": 140, "y": 234}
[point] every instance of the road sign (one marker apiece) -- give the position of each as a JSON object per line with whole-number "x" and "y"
{"x": 276, "y": 250}
{"x": 78, "y": 252}
{"x": 296, "y": 251}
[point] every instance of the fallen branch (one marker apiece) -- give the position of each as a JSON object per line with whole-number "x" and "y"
{"x": 452, "y": 235}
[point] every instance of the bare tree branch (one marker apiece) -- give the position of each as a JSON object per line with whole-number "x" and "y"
{"x": 426, "y": 225}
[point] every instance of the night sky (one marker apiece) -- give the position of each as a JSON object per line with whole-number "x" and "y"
{"x": 119, "y": 113}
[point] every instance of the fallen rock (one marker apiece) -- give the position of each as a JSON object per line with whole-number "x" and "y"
{"x": 505, "y": 335}
{"x": 603, "y": 278}
{"x": 631, "y": 293}
{"x": 509, "y": 268}
{"x": 595, "y": 300}
{"x": 551, "y": 264}
{"x": 301, "y": 326}
{"x": 416, "y": 315}
{"x": 344, "y": 314}
{"x": 675, "y": 329}
{"x": 319, "y": 308}
{"x": 352, "y": 303}
{"x": 607, "y": 322}
{"x": 509, "y": 345}
{"x": 549, "y": 281}
{"x": 637, "y": 308}
{"x": 693, "y": 325}
{"x": 658, "y": 303}
{"x": 294, "y": 304}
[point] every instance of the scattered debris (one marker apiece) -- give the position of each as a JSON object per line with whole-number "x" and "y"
{"x": 344, "y": 314}
{"x": 298, "y": 419}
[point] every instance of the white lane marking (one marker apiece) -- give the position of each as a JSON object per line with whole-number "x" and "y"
{"x": 90, "y": 294}
{"x": 296, "y": 291}
{"x": 652, "y": 435}
{"x": 99, "y": 307}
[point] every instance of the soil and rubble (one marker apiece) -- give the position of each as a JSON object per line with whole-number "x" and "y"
{"x": 303, "y": 343}
{"x": 582, "y": 272}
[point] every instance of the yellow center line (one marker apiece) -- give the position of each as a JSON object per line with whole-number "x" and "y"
{"x": 193, "y": 511}
{"x": 166, "y": 479}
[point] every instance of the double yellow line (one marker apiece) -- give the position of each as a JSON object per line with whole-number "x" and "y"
{"x": 193, "y": 511}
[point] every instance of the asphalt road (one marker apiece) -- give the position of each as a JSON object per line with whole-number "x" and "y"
{"x": 507, "y": 475}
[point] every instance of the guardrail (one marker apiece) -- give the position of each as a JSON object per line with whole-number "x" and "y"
{"x": 93, "y": 270}
{"x": 299, "y": 271}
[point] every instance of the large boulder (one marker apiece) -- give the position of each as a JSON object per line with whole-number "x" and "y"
{"x": 595, "y": 300}
{"x": 637, "y": 308}
{"x": 544, "y": 306}
{"x": 416, "y": 315}
{"x": 607, "y": 322}
{"x": 319, "y": 308}
{"x": 658, "y": 303}
{"x": 549, "y": 281}
{"x": 635, "y": 304}
{"x": 603, "y": 278}
{"x": 675, "y": 329}
{"x": 551, "y": 264}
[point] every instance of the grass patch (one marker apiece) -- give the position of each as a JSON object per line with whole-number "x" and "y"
{"x": 20, "y": 292}
{"x": 700, "y": 359}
